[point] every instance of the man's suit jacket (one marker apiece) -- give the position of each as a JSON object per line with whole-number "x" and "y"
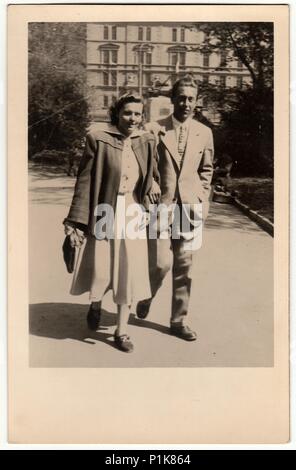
{"x": 191, "y": 183}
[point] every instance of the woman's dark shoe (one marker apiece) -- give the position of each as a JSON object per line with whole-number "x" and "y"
{"x": 123, "y": 343}
{"x": 143, "y": 308}
{"x": 93, "y": 318}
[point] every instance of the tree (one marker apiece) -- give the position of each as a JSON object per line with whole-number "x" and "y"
{"x": 246, "y": 130}
{"x": 251, "y": 43}
{"x": 58, "y": 108}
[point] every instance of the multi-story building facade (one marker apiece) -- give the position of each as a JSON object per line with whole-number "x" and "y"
{"x": 122, "y": 56}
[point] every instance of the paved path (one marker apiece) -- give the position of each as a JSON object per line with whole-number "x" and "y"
{"x": 231, "y": 304}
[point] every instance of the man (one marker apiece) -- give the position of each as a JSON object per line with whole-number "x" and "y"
{"x": 185, "y": 149}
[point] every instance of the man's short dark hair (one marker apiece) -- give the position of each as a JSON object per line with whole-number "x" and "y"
{"x": 187, "y": 80}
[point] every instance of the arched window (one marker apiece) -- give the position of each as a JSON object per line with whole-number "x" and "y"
{"x": 148, "y": 34}
{"x": 140, "y": 34}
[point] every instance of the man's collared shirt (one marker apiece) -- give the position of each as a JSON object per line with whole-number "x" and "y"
{"x": 177, "y": 124}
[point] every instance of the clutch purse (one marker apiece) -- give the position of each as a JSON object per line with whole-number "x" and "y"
{"x": 69, "y": 254}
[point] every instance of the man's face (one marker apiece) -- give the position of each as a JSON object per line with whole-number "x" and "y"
{"x": 184, "y": 102}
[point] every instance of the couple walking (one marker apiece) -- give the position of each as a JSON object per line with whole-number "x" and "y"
{"x": 168, "y": 162}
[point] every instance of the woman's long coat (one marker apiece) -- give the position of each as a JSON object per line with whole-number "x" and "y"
{"x": 99, "y": 173}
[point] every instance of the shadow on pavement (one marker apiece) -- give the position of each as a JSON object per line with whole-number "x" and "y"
{"x": 68, "y": 321}
{"x": 133, "y": 320}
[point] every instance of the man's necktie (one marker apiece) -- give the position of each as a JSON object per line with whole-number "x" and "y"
{"x": 181, "y": 144}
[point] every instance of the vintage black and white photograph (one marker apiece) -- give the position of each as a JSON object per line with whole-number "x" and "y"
{"x": 151, "y": 119}
{"x": 148, "y": 189}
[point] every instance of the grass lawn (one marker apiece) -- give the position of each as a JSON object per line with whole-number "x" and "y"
{"x": 257, "y": 193}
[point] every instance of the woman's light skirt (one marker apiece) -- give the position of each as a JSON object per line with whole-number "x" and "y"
{"x": 120, "y": 264}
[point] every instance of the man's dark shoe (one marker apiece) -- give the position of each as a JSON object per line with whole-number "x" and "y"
{"x": 183, "y": 332}
{"x": 93, "y": 318}
{"x": 123, "y": 343}
{"x": 143, "y": 308}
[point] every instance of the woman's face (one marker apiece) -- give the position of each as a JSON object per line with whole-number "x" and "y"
{"x": 130, "y": 117}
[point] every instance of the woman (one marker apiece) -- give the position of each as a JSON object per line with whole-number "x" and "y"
{"x": 117, "y": 169}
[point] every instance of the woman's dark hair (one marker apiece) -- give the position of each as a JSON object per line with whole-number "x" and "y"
{"x": 187, "y": 80}
{"x": 118, "y": 104}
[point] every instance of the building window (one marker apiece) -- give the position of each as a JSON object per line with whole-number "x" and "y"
{"x": 147, "y": 79}
{"x": 239, "y": 82}
{"x": 148, "y": 34}
{"x": 223, "y": 59}
{"x": 106, "y": 102}
{"x": 182, "y": 35}
{"x": 174, "y": 58}
{"x": 182, "y": 58}
{"x": 113, "y": 77}
{"x": 205, "y": 78}
{"x": 140, "y": 34}
{"x": 114, "y": 32}
{"x": 206, "y": 59}
{"x": 108, "y": 54}
{"x": 239, "y": 64}
{"x": 105, "y": 78}
{"x": 106, "y": 57}
{"x": 178, "y": 58}
{"x": 148, "y": 58}
{"x": 106, "y": 32}
{"x": 223, "y": 81}
{"x": 174, "y": 35}
{"x": 114, "y": 56}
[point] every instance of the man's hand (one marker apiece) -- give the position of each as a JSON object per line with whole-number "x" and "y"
{"x": 154, "y": 194}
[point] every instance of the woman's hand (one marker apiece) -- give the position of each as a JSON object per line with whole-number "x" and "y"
{"x": 68, "y": 229}
{"x": 77, "y": 236}
{"x": 155, "y": 193}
